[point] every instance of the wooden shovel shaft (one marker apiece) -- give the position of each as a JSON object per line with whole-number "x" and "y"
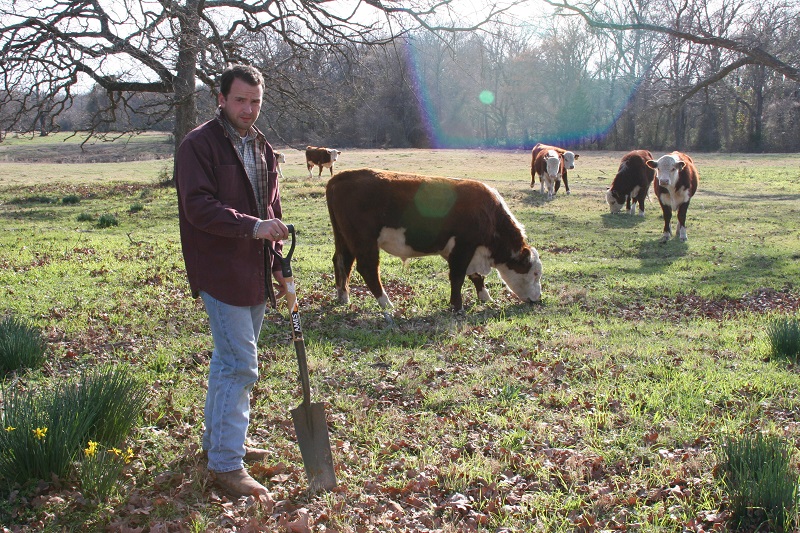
{"x": 297, "y": 337}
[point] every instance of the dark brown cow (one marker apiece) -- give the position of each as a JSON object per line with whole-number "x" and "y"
{"x": 569, "y": 164}
{"x": 320, "y": 157}
{"x": 675, "y": 183}
{"x": 632, "y": 182}
{"x": 408, "y": 215}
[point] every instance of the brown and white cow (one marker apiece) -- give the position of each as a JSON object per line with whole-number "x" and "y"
{"x": 569, "y": 163}
{"x": 321, "y": 157}
{"x": 548, "y": 165}
{"x": 675, "y": 183}
{"x": 280, "y": 157}
{"x": 408, "y": 215}
{"x": 632, "y": 182}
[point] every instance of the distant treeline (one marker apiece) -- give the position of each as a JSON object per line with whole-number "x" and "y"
{"x": 564, "y": 84}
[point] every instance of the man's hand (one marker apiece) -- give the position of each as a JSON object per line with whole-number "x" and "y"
{"x": 272, "y": 229}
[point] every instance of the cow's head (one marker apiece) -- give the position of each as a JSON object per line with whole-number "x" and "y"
{"x": 569, "y": 159}
{"x": 553, "y": 161}
{"x": 667, "y": 169}
{"x": 281, "y": 157}
{"x": 523, "y": 275}
{"x": 334, "y": 154}
{"x": 615, "y": 200}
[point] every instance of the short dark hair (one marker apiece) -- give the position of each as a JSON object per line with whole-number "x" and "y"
{"x": 246, "y": 73}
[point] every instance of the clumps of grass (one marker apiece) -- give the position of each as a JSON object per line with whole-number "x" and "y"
{"x": 135, "y": 208}
{"x": 21, "y": 345}
{"x": 86, "y": 217}
{"x": 784, "y": 338}
{"x": 44, "y": 431}
{"x": 71, "y": 199}
{"x": 106, "y": 221}
{"x": 759, "y": 479}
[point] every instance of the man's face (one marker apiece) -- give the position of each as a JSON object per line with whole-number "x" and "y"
{"x": 242, "y": 105}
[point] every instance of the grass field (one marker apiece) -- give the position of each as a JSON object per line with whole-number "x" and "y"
{"x": 601, "y": 409}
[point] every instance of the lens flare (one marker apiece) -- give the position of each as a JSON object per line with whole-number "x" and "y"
{"x": 486, "y": 97}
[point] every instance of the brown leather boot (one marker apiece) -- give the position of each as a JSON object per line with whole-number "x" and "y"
{"x": 239, "y": 483}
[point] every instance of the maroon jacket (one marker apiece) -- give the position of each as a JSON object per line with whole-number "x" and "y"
{"x": 217, "y": 212}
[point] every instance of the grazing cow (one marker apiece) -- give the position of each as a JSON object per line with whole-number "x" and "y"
{"x": 569, "y": 163}
{"x": 320, "y": 157}
{"x": 632, "y": 182}
{"x": 408, "y": 215}
{"x": 280, "y": 158}
{"x": 548, "y": 165}
{"x": 675, "y": 183}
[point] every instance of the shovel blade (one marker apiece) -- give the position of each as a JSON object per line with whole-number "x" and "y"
{"x": 315, "y": 447}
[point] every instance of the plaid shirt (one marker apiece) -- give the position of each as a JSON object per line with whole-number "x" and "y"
{"x": 256, "y": 167}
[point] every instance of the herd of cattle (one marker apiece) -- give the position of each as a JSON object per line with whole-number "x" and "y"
{"x": 468, "y": 223}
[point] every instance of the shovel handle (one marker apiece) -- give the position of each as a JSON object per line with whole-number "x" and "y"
{"x": 294, "y": 311}
{"x": 286, "y": 261}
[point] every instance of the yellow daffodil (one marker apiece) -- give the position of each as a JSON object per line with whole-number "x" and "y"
{"x": 91, "y": 450}
{"x": 129, "y": 455}
{"x": 116, "y": 451}
{"x": 10, "y": 428}
{"x": 40, "y": 433}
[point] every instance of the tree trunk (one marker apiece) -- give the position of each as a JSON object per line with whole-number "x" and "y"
{"x": 186, "y": 69}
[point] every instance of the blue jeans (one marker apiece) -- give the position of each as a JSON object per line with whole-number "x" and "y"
{"x": 232, "y": 373}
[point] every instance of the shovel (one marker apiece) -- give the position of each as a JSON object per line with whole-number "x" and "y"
{"x": 310, "y": 424}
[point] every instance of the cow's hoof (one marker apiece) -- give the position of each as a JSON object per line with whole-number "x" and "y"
{"x": 569, "y": 192}
{"x": 664, "y": 238}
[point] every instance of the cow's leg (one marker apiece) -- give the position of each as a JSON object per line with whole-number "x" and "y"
{"x": 640, "y": 200}
{"x": 628, "y": 203}
{"x": 682, "y": 221}
{"x": 368, "y": 265}
{"x": 667, "y": 211}
{"x": 566, "y": 183}
{"x": 310, "y": 166}
{"x": 480, "y": 287}
{"x": 533, "y": 177}
{"x": 541, "y": 183}
{"x": 458, "y": 261}
{"x": 342, "y": 268}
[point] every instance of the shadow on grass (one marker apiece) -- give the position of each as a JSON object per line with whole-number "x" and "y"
{"x": 655, "y": 255}
{"x": 621, "y": 220}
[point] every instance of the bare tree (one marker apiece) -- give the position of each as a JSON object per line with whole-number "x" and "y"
{"x": 750, "y": 45}
{"x": 50, "y": 48}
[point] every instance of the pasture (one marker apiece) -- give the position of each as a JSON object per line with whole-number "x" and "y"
{"x": 600, "y": 409}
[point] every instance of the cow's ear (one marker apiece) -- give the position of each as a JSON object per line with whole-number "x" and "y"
{"x": 680, "y": 164}
{"x": 652, "y": 163}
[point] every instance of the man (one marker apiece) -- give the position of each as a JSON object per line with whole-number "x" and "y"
{"x": 229, "y": 211}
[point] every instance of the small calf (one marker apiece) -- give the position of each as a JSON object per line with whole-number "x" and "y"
{"x": 321, "y": 157}
{"x": 280, "y": 158}
{"x": 632, "y": 182}
{"x": 675, "y": 183}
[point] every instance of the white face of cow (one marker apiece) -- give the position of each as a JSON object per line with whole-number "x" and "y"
{"x": 667, "y": 169}
{"x": 569, "y": 160}
{"x": 527, "y": 286}
{"x": 334, "y": 154}
{"x": 553, "y": 164}
{"x": 281, "y": 157}
{"x": 615, "y": 206}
